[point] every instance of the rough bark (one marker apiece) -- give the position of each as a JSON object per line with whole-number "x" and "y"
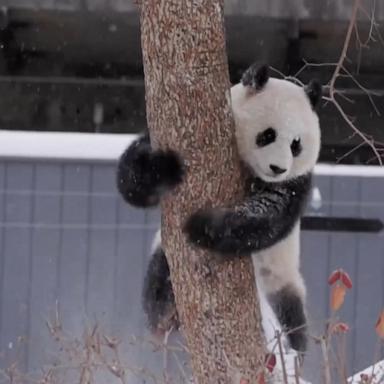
{"x": 188, "y": 109}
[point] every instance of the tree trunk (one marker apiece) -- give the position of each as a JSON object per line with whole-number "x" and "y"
{"x": 188, "y": 109}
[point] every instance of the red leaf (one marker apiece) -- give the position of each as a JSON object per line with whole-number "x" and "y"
{"x": 380, "y": 325}
{"x": 346, "y": 280}
{"x": 334, "y": 276}
{"x": 340, "y": 328}
{"x": 337, "y": 296}
{"x": 270, "y": 361}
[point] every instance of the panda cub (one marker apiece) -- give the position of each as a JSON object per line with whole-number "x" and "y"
{"x": 278, "y": 138}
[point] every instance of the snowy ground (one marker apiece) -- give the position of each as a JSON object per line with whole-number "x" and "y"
{"x": 377, "y": 371}
{"x": 271, "y": 325}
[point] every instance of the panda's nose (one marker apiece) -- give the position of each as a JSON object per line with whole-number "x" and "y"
{"x": 277, "y": 170}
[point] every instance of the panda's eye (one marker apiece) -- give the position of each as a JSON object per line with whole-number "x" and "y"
{"x": 296, "y": 147}
{"x": 266, "y": 137}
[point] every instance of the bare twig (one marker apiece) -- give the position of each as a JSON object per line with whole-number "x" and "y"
{"x": 344, "y": 51}
{"x": 341, "y": 359}
{"x": 297, "y": 371}
{"x": 346, "y": 154}
{"x": 180, "y": 366}
{"x": 365, "y": 90}
{"x": 283, "y": 367}
{"x": 327, "y": 367}
{"x": 336, "y": 74}
{"x": 165, "y": 354}
{"x": 340, "y": 70}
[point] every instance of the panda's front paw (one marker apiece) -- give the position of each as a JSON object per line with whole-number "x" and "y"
{"x": 160, "y": 168}
{"x": 169, "y": 167}
{"x": 219, "y": 230}
{"x": 204, "y": 228}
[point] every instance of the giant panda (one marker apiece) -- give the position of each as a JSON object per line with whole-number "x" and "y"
{"x": 278, "y": 138}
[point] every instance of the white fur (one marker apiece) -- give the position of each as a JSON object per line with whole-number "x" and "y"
{"x": 285, "y": 107}
{"x": 279, "y": 265}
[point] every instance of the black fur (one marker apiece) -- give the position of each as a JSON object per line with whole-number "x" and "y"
{"x": 143, "y": 175}
{"x": 289, "y": 310}
{"x": 158, "y": 298}
{"x": 264, "y": 218}
{"x": 314, "y": 92}
{"x": 256, "y": 76}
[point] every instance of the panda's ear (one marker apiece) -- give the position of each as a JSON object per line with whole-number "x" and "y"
{"x": 314, "y": 92}
{"x": 256, "y": 76}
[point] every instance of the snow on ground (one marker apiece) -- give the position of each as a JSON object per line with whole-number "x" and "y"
{"x": 377, "y": 371}
{"x": 271, "y": 325}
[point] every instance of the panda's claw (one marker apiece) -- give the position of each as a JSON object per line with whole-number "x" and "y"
{"x": 214, "y": 229}
{"x": 200, "y": 230}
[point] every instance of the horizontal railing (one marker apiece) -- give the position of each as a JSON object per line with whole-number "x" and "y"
{"x": 108, "y": 147}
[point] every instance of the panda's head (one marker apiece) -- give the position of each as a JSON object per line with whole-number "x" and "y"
{"x": 277, "y": 127}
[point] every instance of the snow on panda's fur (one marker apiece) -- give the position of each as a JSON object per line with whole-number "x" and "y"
{"x": 278, "y": 138}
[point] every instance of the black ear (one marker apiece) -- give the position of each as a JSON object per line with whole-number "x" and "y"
{"x": 256, "y": 76}
{"x": 314, "y": 92}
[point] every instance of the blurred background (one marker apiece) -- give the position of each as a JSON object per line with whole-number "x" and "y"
{"x": 75, "y": 65}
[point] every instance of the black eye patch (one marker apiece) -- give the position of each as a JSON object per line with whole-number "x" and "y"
{"x": 266, "y": 137}
{"x": 296, "y": 147}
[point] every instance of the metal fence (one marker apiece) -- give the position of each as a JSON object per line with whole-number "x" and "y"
{"x": 68, "y": 240}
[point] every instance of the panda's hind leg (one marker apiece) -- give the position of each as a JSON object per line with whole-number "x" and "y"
{"x": 158, "y": 298}
{"x": 288, "y": 305}
{"x": 278, "y": 271}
